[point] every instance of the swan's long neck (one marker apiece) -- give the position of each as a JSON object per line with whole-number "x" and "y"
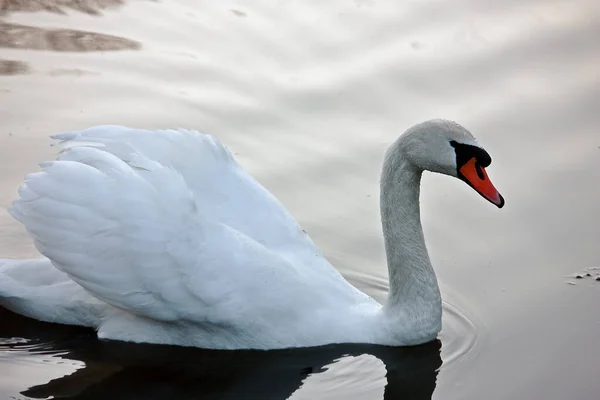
{"x": 414, "y": 289}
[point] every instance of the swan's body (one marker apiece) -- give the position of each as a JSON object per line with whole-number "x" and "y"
{"x": 161, "y": 237}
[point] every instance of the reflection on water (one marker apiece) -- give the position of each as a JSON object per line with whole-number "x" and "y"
{"x": 17, "y": 36}
{"x": 308, "y": 94}
{"x": 58, "y": 6}
{"x": 12, "y": 67}
{"x": 118, "y": 370}
{"x": 331, "y": 369}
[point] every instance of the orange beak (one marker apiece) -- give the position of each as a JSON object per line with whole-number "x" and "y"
{"x": 475, "y": 175}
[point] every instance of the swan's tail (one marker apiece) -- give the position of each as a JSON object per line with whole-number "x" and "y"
{"x": 35, "y": 289}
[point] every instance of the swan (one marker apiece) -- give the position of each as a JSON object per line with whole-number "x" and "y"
{"x": 162, "y": 237}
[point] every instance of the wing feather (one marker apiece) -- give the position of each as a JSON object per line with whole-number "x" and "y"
{"x": 221, "y": 187}
{"x": 138, "y": 232}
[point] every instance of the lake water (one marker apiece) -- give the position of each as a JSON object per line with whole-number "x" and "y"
{"x": 308, "y": 95}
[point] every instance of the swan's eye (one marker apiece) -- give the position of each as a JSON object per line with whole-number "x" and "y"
{"x": 465, "y": 152}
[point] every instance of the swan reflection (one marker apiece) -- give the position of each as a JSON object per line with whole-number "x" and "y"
{"x": 118, "y": 370}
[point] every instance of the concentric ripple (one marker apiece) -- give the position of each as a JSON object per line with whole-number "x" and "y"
{"x": 458, "y": 336}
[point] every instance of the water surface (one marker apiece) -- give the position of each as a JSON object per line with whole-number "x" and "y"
{"x": 308, "y": 95}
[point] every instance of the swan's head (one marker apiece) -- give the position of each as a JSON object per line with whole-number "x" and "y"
{"x": 448, "y": 148}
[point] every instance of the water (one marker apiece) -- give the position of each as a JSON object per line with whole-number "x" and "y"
{"x": 308, "y": 96}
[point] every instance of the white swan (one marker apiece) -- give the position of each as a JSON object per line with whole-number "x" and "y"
{"x": 161, "y": 237}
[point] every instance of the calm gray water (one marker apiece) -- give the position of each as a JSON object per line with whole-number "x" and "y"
{"x": 308, "y": 94}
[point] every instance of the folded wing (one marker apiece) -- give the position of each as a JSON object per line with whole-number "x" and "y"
{"x": 167, "y": 225}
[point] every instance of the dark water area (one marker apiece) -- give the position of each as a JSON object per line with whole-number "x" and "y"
{"x": 119, "y": 370}
{"x": 308, "y": 95}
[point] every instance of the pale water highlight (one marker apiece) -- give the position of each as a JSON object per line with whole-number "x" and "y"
{"x": 308, "y": 95}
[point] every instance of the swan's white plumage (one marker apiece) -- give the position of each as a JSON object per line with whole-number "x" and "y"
{"x": 162, "y": 237}
{"x": 173, "y": 242}
{"x": 36, "y": 289}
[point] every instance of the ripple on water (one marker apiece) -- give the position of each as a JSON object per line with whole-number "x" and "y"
{"x": 13, "y": 341}
{"x": 31, "y": 363}
{"x": 459, "y": 334}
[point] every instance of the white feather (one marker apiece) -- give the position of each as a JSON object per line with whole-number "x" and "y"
{"x": 160, "y": 236}
{"x": 167, "y": 229}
